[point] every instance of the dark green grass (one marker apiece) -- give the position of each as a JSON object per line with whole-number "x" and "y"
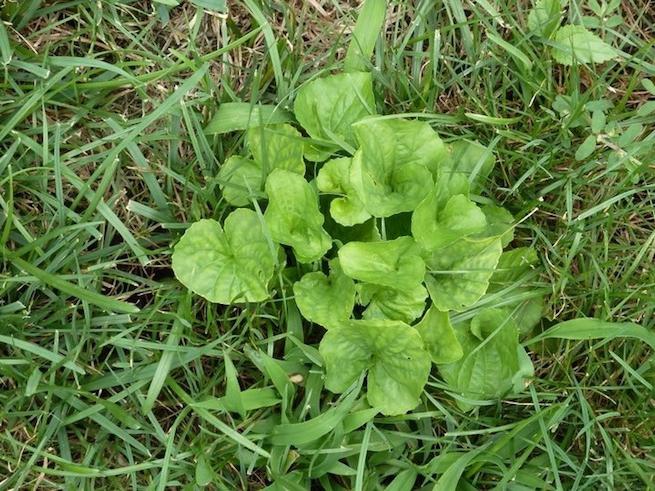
{"x": 103, "y": 161}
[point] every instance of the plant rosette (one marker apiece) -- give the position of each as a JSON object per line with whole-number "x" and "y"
{"x": 409, "y": 247}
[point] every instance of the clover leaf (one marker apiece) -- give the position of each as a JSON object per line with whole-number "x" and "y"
{"x": 398, "y": 365}
{"x": 458, "y": 275}
{"x": 325, "y": 300}
{"x": 327, "y": 107}
{"x": 439, "y": 337}
{"x": 334, "y": 178}
{"x": 293, "y": 216}
{"x": 393, "y": 263}
{"x": 226, "y": 264}
{"x": 383, "y": 302}
{"x": 395, "y": 166}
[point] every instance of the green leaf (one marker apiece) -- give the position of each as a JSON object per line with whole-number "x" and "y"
{"x": 325, "y": 300}
{"x": 469, "y": 162}
{"x": 490, "y": 360}
{"x": 277, "y": 146}
{"x": 575, "y": 44}
{"x": 227, "y": 265}
{"x": 458, "y": 275}
{"x": 327, "y": 107}
{"x": 241, "y": 180}
{"x": 544, "y": 18}
{"x": 392, "y": 304}
{"x": 514, "y": 264}
{"x": 586, "y": 148}
{"x": 521, "y": 302}
{"x": 370, "y": 23}
{"x": 214, "y": 5}
{"x": 394, "y": 167}
{"x": 439, "y": 337}
{"x": 587, "y": 328}
{"x": 500, "y": 223}
{"x": 334, "y": 178}
{"x": 391, "y": 351}
{"x": 435, "y": 225}
{"x": 393, "y": 263}
{"x": 204, "y": 472}
{"x": 235, "y": 116}
{"x": 293, "y": 216}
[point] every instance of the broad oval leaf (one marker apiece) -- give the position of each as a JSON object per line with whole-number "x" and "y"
{"x": 500, "y": 223}
{"x": 509, "y": 283}
{"x": 334, "y": 178}
{"x": 278, "y": 146}
{"x": 241, "y": 180}
{"x": 293, "y": 216}
{"x": 393, "y": 263}
{"x": 434, "y": 226}
{"x": 327, "y": 107}
{"x": 325, "y": 300}
{"x": 439, "y": 337}
{"x": 458, "y": 275}
{"x": 226, "y": 265}
{"x": 398, "y": 365}
{"x": 396, "y": 164}
{"x": 491, "y": 357}
{"x": 383, "y": 302}
{"x": 575, "y": 44}
{"x": 469, "y": 162}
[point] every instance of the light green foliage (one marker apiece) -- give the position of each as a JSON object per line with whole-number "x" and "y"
{"x": 383, "y": 302}
{"x": 393, "y": 263}
{"x": 439, "y": 337}
{"x": 327, "y": 107}
{"x": 514, "y": 268}
{"x": 241, "y": 180}
{"x": 325, "y": 300}
{"x": 394, "y": 167}
{"x": 458, "y": 275}
{"x": 576, "y": 44}
{"x": 500, "y": 223}
{"x": 226, "y": 265}
{"x": 334, "y": 178}
{"x": 490, "y": 356}
{"x": 468, "y": 161}
{"x": 393, "y": 354}
{"x": 277, "y": 146}
{"x": 293, "y": 216}
{"x": 435, "y": 225}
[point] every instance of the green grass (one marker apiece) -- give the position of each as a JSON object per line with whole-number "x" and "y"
{"x": 103, "y": 162}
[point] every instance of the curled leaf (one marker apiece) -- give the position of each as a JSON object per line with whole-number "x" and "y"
{"x": 383, "y": 302}
{"x": 395, "y": 166}
{"x": 293, "y": 216}
{"x": 334, "y": 178}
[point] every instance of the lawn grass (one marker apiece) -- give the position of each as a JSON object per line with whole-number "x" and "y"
{"x": 104, "y": 161}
